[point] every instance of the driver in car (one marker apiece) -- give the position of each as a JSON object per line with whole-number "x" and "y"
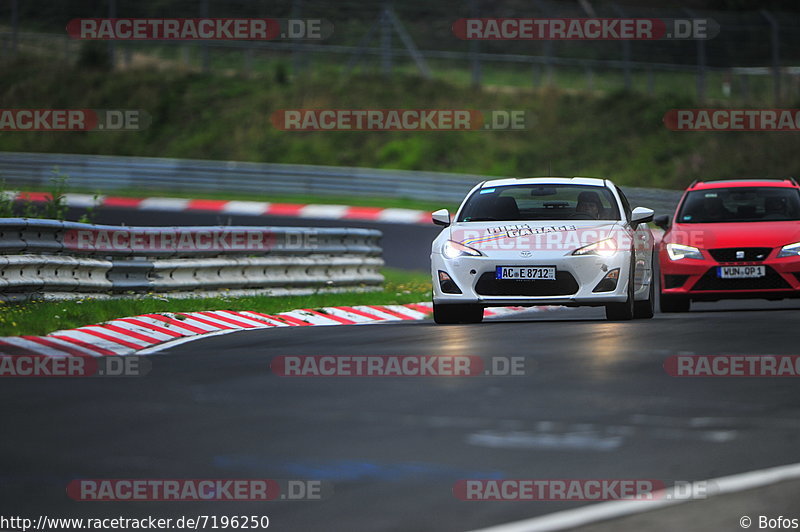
{"x": 589, "y": 204}
{"x": 715, "y": 210}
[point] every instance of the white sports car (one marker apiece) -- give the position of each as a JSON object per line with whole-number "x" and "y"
{"x": 543, "y": 241}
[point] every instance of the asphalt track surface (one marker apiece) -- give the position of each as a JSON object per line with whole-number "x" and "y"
{"x": 595, "y": 402}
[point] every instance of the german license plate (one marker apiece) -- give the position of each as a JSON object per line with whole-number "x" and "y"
{"x": 741, "y": 272}
{"x": 526, "y": 273}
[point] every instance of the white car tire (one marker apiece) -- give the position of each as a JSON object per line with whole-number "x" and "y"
{"x": 646, "y": 309}
{"x": 627, "y": 310}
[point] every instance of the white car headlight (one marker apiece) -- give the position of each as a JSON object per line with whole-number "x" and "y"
{"x": 603, "y": 248}
{"x": 452, "y": 249}
{"x": 679, "y": 251}
{"x": 790, "y": 250}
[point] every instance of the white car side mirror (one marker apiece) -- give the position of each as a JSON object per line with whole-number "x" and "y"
{"x": 442, "y": 217}
{"x": 641, "y": 215}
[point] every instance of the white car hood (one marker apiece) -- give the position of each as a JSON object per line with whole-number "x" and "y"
{"x": 528, "y": 238}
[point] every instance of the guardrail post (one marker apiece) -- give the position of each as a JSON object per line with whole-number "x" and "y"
{"x": 132, "y": 274}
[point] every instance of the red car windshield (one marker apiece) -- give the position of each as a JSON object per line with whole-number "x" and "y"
{"x": 740, "y": 204}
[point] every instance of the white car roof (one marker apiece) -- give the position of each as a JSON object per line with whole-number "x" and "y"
{"x": 591, "y": 181}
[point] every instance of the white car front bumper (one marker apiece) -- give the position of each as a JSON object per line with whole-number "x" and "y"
{"x": 576, "y": 278}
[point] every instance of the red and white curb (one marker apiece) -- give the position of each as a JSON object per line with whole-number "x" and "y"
{"x": 149, "y": 333}
{"x": 250, "y": 208}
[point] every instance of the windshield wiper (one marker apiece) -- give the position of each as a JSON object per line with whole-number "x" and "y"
{"x": 482, "y": 219}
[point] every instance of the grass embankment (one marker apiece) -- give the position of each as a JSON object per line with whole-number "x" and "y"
{"x": 618, "y": 135}
{"x": 44, "y": 317}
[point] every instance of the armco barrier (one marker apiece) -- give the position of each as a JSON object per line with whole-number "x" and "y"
{"x": 107, "y": 174}
{"x": 52, "y": 259}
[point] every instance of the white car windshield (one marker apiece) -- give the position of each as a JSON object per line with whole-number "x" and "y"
{"x": 540, "y": 202}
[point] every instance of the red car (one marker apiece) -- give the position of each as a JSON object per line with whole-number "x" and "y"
{"x": 731, "y": 239}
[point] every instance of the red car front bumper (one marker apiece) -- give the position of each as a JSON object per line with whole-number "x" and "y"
{"x": 697, "y": 279}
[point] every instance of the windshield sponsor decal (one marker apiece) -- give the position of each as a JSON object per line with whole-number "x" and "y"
{"x": 493, "y": 234}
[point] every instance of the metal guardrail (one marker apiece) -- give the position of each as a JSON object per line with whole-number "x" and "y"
{"x": 107, "y": 174}
{"x": 56, "y": 260}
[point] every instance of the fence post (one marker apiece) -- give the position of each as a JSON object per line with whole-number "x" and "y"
{"x": 589, "y": 77}
{"x": 548, "y": 44}
{"x": 701, "y": 71}
{"x": 776, "y": 54}
{"x": 186, "y": 56}
{"x": 361, "y": 48}
{"x": 386, "y": 41}
{"x": 626, "y": 51}
{"x": 14, "y": 25}
{"x": 411, "y": 48}
{"x": 474, "y": 49}
{"x": 248, "y": 62}
{"x": 206, "y": 60}
{"x": 701, "y": 63}
{"x": 112, "y": 47}
{"x": 744, "y": 86}
{"x": 297, "y": 54}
